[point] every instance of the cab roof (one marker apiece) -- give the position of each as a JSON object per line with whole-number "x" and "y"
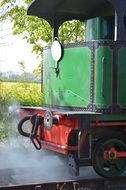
{"x": 62, "y": 10}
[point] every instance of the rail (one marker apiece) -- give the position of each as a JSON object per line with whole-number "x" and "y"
{"x": 88, "y": 184}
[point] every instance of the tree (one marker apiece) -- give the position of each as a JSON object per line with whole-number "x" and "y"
{"x": 36, "y": 31}
{"x": 37, "y": 71}
{"x": 22, "y": 67}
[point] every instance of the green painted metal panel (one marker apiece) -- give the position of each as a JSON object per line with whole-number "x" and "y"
{"x": 100, "y": 28}
{"x": 122, "y": 77}
{"x": 72, "y": 86}
{"x": 103, "y": 76}
{"x": 109, "y": 117}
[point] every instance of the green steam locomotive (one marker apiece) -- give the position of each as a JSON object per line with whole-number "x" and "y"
{"x": 84, "y": 86}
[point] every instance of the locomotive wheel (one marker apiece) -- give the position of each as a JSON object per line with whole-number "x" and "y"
{"x": 108, "y": 168}
{"x": 25, "y": 126}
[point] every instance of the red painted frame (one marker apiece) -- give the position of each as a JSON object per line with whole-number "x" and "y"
{"x": 56, "y": 139}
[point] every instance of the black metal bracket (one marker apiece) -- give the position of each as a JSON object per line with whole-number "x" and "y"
{"x": 36, "y": 123}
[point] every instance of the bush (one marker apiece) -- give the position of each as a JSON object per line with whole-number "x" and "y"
{"x": 5, "y": 99}
{"x": 26, "y": 94}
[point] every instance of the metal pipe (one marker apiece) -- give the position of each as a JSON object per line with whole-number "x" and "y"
{"x": 115, "y": 32}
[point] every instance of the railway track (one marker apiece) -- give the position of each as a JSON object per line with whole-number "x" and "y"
{"x": 88, "y": 184}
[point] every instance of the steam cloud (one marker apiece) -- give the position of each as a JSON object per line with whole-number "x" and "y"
{"x": 24, "y": 164}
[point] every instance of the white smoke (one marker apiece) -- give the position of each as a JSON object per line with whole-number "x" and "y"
{"x": 28, "y": 165}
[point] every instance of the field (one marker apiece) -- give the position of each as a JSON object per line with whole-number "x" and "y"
{"x": 15, "y": 93}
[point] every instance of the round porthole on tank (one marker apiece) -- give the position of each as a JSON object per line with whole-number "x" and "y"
{"x": 56, "y": 50}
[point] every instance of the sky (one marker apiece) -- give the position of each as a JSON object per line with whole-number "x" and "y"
{"x": 14, "y": 49}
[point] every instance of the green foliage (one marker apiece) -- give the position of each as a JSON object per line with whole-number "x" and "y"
{"x": 4, "y": 104}
{"x": 22, "y": 66}
{"x": 37, "y": 71}
{"x": 71, "y": 31}
{"x": 4, "y": 100}
{"x": 36, "y": 31}
{"x": 26, "y": 94}
{"x": 27, "y": 1}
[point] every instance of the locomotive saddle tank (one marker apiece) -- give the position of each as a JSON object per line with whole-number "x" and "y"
{"x": 84, "y": 85}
